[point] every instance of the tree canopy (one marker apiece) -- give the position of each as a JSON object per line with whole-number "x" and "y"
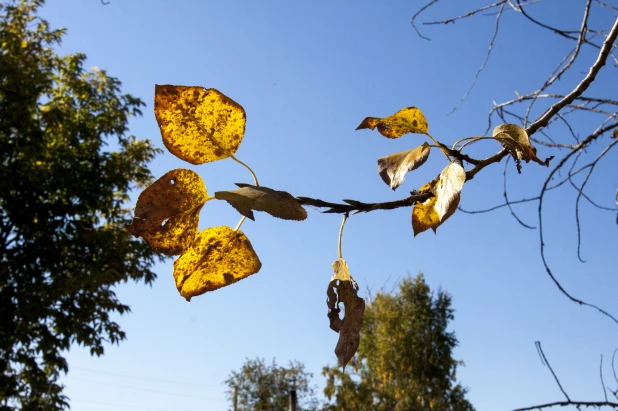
{"x": 68, "y": 166}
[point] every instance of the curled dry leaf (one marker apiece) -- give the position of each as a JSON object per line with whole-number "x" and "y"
{"x": 394, "y": 167}
{"x": 279, "y": 204}
{"x": 407, "y": 120}
{"x": 198, "y": 125}
{"x": 449, "y": 187}
{"x": 218, "y": 257}
{"x": 516, "y": 141}
{"x": 615, "y": 133}
{"x": 167, "y": 211}
{"x": 343, "y": 289}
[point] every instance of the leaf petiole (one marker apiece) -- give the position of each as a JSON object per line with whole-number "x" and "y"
{"x": 345, "y": 217}
{"x": 242, "y": 220}
{"x": 255, "y": 180}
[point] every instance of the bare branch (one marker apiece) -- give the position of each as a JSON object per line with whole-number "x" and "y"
{"x": 596, "y": 404}
{"x": 425, "y": 7}
{"x": 545, "y": 362}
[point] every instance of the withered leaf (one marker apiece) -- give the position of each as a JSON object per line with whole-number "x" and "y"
{"x": 407, "y": 120}
{"x": 425, "y": 215}
{"x": 343, "y": 289}
{"x": 167, "y": 211}
{"x": 516, "y": 141}
{"x": 198, "y": 125}
{"x": 615, "y": 133}
{"x": 394, "y": 167}
{"x": 218, "y": 257}
{"x": 449, "y": 187}
{"x": 279, "y": 204}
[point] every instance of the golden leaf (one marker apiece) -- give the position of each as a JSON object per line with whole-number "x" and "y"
{"x": 394, "y": 167}
{"x": 449, "y": 186}
{"x": 516, "y": 141}
{"x": 407, "y": 120}
{"x": 276, "y": 203}
{"x": 343, "y": 289}
{"x": 198, "y": 125}
{"x": 219, "y": 256}
{"x": 425, "y": 215}
{"x": 167, "y": 211}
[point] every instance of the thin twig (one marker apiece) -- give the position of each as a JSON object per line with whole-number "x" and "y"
{"x": 544, "y": 358}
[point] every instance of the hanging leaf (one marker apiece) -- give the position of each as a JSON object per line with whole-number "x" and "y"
{"x": 167, "y": 211}
{"x": 449, "y": 186}
{"x": 516, "y": 141}
{"x": 407, "y": 120}
{"x": 425, "y": 215}
{"x": 394, "y": 167}
{"x": 219, "y": 256}
{"x": 276, "y": 203}
{"x": 343, "y": 289}
{"x": 198, "y": 125}
{"x": 615, "y": 133}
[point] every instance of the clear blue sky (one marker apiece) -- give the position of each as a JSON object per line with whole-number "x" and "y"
{"x": 307, "y": 73}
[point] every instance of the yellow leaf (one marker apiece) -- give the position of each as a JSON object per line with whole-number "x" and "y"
{"x": 394, "y": 167}
{"x": 407, "y": 120}
{"x": 516, "y": 141}
{"x": 219, "y": 256}
{"x": 198, "y": 125}
{"x": 276, "y": 203}
{"x": 449, "y": 186}
{"x": 343, "y": 289}
{"x": 425, "y": 215}
{"x": 167, "y": 211}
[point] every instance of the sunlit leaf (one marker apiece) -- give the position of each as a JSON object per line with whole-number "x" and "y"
{"x": 394, "y": 167}
{"x": 407, "y": 120}
{"x": 276, "y": 203}
{"x": 425, "y": 215}
{"x": 198, "y": 125}
{"x": 167, "y": 211}
{"x": 218, "y": 257}
{"x": 342, "y": 289}
{"x": 449, "y": 186}
{"x": 516, "y": 141}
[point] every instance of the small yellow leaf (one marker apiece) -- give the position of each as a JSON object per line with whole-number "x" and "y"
{"x": 425, "y": 215}
{"x": 407, "y": 120}
{"x": 167, "y": 211}
{"x": 198, "y": 125}
{"x": 516, "y": 141}
{"x": 449, "y": 186}
{"x": 343, "y": 289}
{"x": 276, "y": 203}
{"x": 218, "y": 257}
{"x": 394, "y": 167}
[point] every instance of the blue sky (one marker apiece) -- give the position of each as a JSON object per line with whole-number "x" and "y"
{"x": 307, "y": 73}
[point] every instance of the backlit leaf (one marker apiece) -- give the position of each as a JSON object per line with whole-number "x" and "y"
{"x": 425, "y": 215}
{"x": 218, "y": 257}
{"x": 407, "y": 120}
{"x": 343, "y": 289}
{"x": 276, "y": 203}
{"x": 167, "y": 211}
{"x": 198, "y": 125}
{"x": 516, "y": 141}
{"x": 449, "y": 186}
{"x": 394, "y": 167}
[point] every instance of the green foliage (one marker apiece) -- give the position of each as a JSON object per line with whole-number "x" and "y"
{"x": 404, "y": 361}
{"x": 67, "y": 167}
{"x": 260, "y": 387}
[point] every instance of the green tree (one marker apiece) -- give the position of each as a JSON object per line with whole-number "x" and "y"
{"x": 67, "y": 167}
{"x": 261, "y": 387}
{"x": 404, "y": 360}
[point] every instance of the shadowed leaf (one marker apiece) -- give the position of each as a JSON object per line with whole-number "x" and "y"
{"x": 167, "y": 211}
{"x": 198, "y": 125}
{"x": 516, "y": 141}
{"x": 343, "y": 289}
{"x": 407, "y": 120}
{"x": 449, "y": 186}
{"x": 279, "y": 204}
{"x": 394, "y": 167}
{"x": 425, "y": 215}
{"x": 218, "y": 257}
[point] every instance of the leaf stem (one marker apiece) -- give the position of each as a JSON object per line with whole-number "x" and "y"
{"x": 465, "y": 139}
{"x": 345, "y": 217}
{"x": 474, "y": 140}
{"x": 440, "y": 145}
{"x": 255, "y": 180}
{"x": 242, "y": 220}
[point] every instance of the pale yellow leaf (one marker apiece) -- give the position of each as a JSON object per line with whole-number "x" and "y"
{"x": 167, "y": 211}
{"x": 393, "y": 168}
{"x": 449, "y": 186}
{"x": 218, "y": 257}
{"x": 425, "y": 216}
{"x": 279, "y": 204}
{"x": 198, "y": 125}
{"x": 407, "y": 120}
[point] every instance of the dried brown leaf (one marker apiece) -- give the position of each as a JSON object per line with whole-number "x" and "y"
{"x": 407, "y": 120}
{"x": 167, "y": 211}
{"x": 394, "y": 167}
{"x": 279, "y": 204}
{"x": 343, "y": 289}
{"x": 516, "y": 141}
